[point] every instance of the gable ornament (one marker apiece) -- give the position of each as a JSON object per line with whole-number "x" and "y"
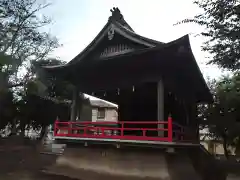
{"x": 111, "y": 33}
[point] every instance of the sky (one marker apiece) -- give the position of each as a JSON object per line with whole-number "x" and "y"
{"x": 77, "y": 22}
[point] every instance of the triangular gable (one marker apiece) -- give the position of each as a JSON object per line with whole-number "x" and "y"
{"x": 115, "y": 25}
{"x": 113, "y": 46}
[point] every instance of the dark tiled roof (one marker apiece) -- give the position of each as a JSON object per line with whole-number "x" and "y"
{"x": 94, "y": 103}
{"x": 100, "y": 103}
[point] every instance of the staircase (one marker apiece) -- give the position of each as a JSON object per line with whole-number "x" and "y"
{"x": 50, "y": 147}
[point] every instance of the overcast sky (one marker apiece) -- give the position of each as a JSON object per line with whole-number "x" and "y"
{"x": 77, "y": 22}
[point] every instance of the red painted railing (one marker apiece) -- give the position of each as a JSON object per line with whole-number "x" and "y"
{"x": 127, "y": 130}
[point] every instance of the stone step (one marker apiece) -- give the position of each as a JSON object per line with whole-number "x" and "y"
{"x": 50, "y": 153}
{"x": 52, "y": 149}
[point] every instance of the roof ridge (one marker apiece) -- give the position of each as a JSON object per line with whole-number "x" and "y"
{"x": 132, "y": 33}
{"x": 118, "y": 17}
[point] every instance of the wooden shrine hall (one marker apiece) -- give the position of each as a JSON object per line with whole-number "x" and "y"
{"x": 148, "y": 79}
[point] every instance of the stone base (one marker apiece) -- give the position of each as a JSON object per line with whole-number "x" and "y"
{"x": 130, "y": 164}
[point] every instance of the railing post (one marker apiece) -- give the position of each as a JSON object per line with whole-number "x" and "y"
{"x": 103, "y": 131}
{"x": 182, "y": 134}
{"x": 144, "y": 132}
{"x": 55, "y": 127}
{"x": 121, "y": 129}
{"x": 84, "y": 131}
{"x": 170, "y": 129}
{"x": 69, "y": 132}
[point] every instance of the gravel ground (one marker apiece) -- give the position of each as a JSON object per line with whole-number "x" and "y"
{"x": 22, "y": 161}
{"x": 233, "y": 177}
{"x": 32, "y": 176}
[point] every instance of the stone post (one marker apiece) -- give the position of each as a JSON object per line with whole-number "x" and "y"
{"x": 74, "y": 104}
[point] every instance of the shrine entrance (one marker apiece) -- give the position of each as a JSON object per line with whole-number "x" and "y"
{"x": 157, "y": 87}
{"x": 149, "y": 80}
{"x": 145, "y": 102}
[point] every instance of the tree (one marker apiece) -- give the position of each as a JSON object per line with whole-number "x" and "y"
{"x": 222, "y": 118}
{"x": 7, "y": 109}
{"x": 37, "y": 112}
{"x": 38, "y": 109}
{"x": 34, "y": 110}
{"x": 221, "y": 22}
{"x": 7, "y": 106}
{"x": 22, "y": 42}
{"x": 21, "y": 37}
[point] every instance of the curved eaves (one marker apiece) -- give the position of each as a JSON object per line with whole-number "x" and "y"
{"x": 202, "y": 82}
{"x": 91, "y": 46}
{"x": 133, "y": 34}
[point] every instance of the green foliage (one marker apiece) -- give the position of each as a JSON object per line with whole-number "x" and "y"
{"x": 7, "y": 108}
{"x": 35, "y": 110}
{"x": 38, "y": 109}
{"x": 221, "y": 22}
{"x": 48, "y": 85}
{"x": 7, "y": 68}
{"x": 22, "y": 45}
{"x": 222, "y": 118}
{"x": 22, "y": 39}
{"x": 6, "y": 60}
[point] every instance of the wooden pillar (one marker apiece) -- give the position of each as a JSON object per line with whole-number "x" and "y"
{"x": 194, "y": 124}
{"x": 74, "y": 107}
{"x": 160, "y": 105}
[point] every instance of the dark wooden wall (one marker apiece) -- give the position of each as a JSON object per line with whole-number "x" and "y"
{"x": 139, "y": 103}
